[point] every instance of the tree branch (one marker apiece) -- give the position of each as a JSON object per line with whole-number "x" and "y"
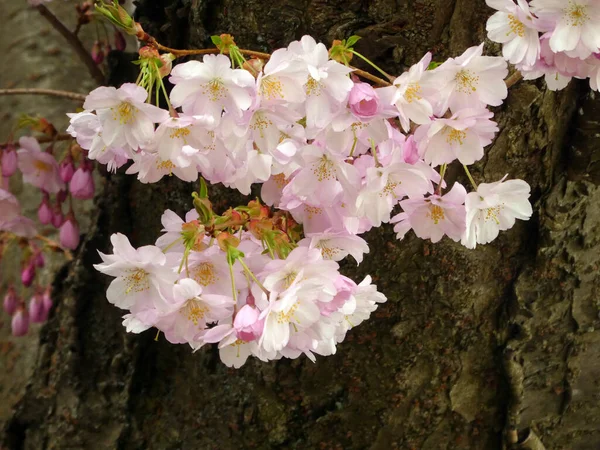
{"x": 74, "y": 42}
{"x": 51, "y": 92}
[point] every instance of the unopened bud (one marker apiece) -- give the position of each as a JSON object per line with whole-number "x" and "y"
{"x": 69, "y": 233}
{"x": 97, "y": 53}
{"x": 11, "y": 301}
{"x": 28, "y": 274}
{"x": 8, "y": 161}
{"x": 20, "y": 323}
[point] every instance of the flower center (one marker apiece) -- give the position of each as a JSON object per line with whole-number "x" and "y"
{"x": 436, "y": 213}
{"x": 516, "y": 26}
{"x": 260, "y": 123}
{"x": 577, "y": 15}
{"x": 215, "y": 89}
{"x": 42, "y": 166}
{"x": 311, "y": 211}
{"x": 180, "y": 133}
{"x": 194, "y": 310}
{"x": 125, "y": 113}
{"x": 326, "y": 251}
{"x": 137, "y": 281}
{"x": 324, "y": 170}
{"x": 286, "y": 317}
{"x": 467, "y": 81}
{"x": 313, "y": 87}
{"x": 280, "y": 180}
{"x": 165, "y": 165}
{"x": 289, "y": 279}
{"x": 270, "y": 88}
{"x": 204, "y": 274}
{"x": 413, "y": 92}
{"x": 493, "y": 213}
{"x": 455, "y": 136}
{"x": 389, "y": 188}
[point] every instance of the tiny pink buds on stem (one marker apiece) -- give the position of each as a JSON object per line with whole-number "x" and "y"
{"x": 28, "y": 274}
{"x": 82, "y": 184}
{"x": 8, "y": 161}
{"x": 45, "y": 212}
{"x": 20, "y": 323}
{"x": 11, "y": 301}
{"x": 66, "y": 169}
{"x": 37, "y": 312}
{"x": 57, "y": 216}
{"x": 97, "y": 52}
{"x": 69, "y": 233}
{"x": 120, "y": 42}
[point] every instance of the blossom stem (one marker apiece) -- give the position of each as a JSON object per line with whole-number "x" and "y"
{"x": 74, "y": 42}
{"x": 442, "y": 174}
{"x": 233, "y": 289}
{"x": 370, "y": 77}
{"x": 374, "y": 152}
{"x": 470, "y": 177}
{"x": 251, "y": 274}
{"x": 513, "y": 79}
{"x": 54, "y": 246}
{"x": 372, "y": 64}
{"x": 51, "y": 92}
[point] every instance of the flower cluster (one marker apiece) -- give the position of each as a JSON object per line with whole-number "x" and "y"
{"x": 555, "y": 39}
{"x": 198, "y": 289}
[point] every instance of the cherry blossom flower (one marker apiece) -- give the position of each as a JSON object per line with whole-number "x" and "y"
{"x": 143, "y": 276}
{"x": 211, "y": 86}
{"x": 462, "y": 136}
{"x": 494, "y": 207}
{"x": 125, "y": 117}
{"x": 517, "y": 29}
{"x": 337, "y": 245}
{"x": 574, "y": 24}
{"x": 364, "y": 101}
{"x": 434, "y": 216}
{"x": 470, "y": 80}
{"x": 39, "y": 168}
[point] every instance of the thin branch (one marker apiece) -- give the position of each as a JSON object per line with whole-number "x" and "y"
{"x": 370, "y": 77}
{"x": 513, "y": 79}
{"x": 51, "y": 92}
{"x": 203, "y": 51}
{"x": 54, "y": 246}
{"x": 74, "y": 42}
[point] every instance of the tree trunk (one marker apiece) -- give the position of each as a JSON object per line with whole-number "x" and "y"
{"x": 471, "y": 345}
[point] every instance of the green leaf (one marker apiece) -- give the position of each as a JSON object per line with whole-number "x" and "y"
{"x": 433, "y": 65}
{"x": 203, "y": 188}
{"x": 216, "y": 40}
{"x": 351, "y": 41}
{"x": 233, "y": 254}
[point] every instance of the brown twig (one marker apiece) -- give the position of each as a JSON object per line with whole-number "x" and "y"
{"x": 51, "y": 92}
{"x": 203, "y": 51}
{"x": 513, "y": 79}
{"x": 370, "y": 77}
{"x": 74, "y": 42}
{"x": 54, "y": 246}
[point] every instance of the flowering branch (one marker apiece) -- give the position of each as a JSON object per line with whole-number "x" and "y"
{"x": 54, "y": 246}
{"x": 513, "y": 79}
{"x": 74, "y": 42}
{"x": 51, "y": 92}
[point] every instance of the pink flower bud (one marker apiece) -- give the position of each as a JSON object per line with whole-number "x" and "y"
{"x": 410, "y": 153}
{"x": 37, "y": 312}
{"x": 120, "y": 42}
{"x": 44, "y": 212}
{"x": 364, "y": 101}
{"x": 11, "y": 301}
{"x": 66, "y": 169}
{"x": 247, "y": 325}
{"x": 69, "y": 233}
{"x": 82, "y": 185}
{"x": 97, "y": 53}
{"x": 9, "y": 161}
{"x": 167, "y": 60}
{"x": 57, "y": 217}
{"x": 20, "y": 323}
{"x": 28, "y": 274}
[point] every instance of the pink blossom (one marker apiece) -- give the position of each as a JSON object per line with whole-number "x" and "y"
{"x": 20, "y": 323}
{"x": 494, "y": 207}
{"x": 282, "y": 79}
{"x": 8, "y": 161}
{"x": 28, "y": 274}
{"x": 364, "y": 101}
{"x": 247, "y": 324}
{"x": 44, "y": 212}
{"x": 337, "y": 245}
{"x": 210, "y": 86}
{"x": 20, "y": 226}
{"x": 125, "y": 118}
{"x": 66, "y": 169}
{"x": 463, "y": 136}
{"x": 82, "y": 184}
{"x": 470, "y": 81}
{"x": 11, "y": 301}
{"x": 514, "y": 26}
{"x": 434, "y": 216}
{"x": 39, "y": 168}
{"x": 9, "y": 205}
{"x": 37, "y": 310}
{"x": 69, "y": 233}
{"x": 574, "y": 24}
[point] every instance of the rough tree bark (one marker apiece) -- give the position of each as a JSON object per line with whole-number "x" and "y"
{"x": 469, "y": 345}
